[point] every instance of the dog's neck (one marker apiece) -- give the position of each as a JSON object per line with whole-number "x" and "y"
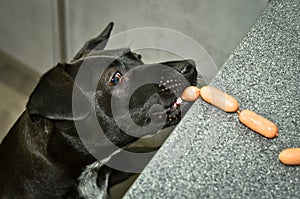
{"x": 31, "y": 166}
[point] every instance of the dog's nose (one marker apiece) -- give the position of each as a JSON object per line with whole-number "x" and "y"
{"x": 187, "y": 67}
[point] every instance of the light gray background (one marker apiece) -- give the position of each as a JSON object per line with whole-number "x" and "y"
{"x": 29, "y": 28}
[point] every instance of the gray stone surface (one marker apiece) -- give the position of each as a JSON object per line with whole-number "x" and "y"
{"x": 211, "y": 154}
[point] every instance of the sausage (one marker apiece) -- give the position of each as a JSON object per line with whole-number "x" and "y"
{"x": 219, "y": 99}
{"x": 290, "y": 156}
{"x": 258, "y": 123}
{"x": 191, "y": 93}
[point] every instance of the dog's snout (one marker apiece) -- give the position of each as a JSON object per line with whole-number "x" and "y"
{"x": 187, "y": 67}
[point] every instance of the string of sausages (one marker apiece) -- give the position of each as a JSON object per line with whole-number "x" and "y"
{"x": 249, "y": 118}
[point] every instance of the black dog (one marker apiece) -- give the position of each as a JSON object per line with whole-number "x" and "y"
{"x": 42, "y": 156}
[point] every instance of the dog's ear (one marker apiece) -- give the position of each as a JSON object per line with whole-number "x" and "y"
{"x": 52, "y": 97}
{"x": 97, "y": 43}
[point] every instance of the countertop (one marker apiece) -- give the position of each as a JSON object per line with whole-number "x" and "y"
{"x": 210, "y": 154}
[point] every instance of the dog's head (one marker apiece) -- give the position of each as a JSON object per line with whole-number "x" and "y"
{"x": 127, "y": 89}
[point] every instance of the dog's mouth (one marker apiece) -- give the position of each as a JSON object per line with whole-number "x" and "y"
{"x": 161, "y": 107}
{"x": 175, "y": 111}
{"x": 173, "y": 114}
{"x": 170, "y": 89}
{"x": 174, "y": 108}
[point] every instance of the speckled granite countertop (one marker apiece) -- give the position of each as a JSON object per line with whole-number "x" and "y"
{"x": 210, "y": 154}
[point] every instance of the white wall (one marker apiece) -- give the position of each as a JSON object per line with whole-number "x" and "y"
{"x": 218, "y": 25}
{"x": 28, "y": 29}
{"x": 26, "y": 32}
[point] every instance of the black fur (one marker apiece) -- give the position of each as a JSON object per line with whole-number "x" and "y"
{"x": 42, "y": 155}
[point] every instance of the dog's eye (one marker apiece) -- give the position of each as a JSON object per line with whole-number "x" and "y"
{"x": 116, "y": 78}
